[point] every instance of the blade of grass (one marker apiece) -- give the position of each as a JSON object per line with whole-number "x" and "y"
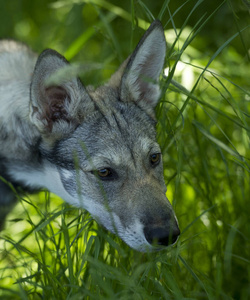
{"x": 177, "y": 87}
{"x": 202, "y": 73}
{"x": 67, "y": 244}
{"x": 194, "y": 276}
{"x": 219, "y": 143}
{"x": 198, "y": 218}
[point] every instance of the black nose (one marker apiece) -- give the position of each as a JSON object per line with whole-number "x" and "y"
{"x": 161, "y": 235}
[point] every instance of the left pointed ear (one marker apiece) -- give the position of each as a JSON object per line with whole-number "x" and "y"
{"x": 139, "y": 82}
{"x": 56, "y": 109}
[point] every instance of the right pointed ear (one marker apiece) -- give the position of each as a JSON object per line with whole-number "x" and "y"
{"x": 140, "y": 81}
{"x": 56, "y": 108}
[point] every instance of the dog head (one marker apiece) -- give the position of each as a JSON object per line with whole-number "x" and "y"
{"x": 102, "y": 143}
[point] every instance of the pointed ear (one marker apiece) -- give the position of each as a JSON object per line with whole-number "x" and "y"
{"x": 56, "y": 107}
{"x": 139, "y": 82}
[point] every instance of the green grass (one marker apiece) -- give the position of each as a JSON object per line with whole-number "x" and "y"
{"x": 53, "y": 251}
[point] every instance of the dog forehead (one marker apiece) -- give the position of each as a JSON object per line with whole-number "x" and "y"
{"x": 123, "y": 154}
{"x": 121, "y": 135}
{"x": 123, "y": 124}
{"x": 116, "y": 134}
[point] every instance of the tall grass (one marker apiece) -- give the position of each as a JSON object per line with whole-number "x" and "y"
{"x": 53, "y": 251}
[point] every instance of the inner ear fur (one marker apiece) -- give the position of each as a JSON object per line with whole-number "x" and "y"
{"x": 139, "y": 74}
{"x": 56, "y": 108}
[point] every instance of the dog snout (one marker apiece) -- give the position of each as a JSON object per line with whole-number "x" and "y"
{"x": 161, "y": 235}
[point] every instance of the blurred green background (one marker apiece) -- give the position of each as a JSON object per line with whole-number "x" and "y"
{"x": 205, "y": 143}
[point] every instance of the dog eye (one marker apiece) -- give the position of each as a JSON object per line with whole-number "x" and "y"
{"x": 155, "y": 159}
{"x": 105, "y": 174}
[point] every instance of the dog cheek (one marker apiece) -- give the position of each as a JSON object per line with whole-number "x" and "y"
{"x": 69, "y": 182}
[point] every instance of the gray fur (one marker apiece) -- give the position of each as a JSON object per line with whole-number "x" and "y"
{"x": 60, "y": 135}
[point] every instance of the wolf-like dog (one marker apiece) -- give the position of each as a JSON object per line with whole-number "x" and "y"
{"x": 95, "y": 148}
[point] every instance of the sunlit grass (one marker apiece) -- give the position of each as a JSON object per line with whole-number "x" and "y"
{"x": 53, "y": 251}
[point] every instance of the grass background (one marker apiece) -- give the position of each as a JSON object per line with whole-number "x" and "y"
{"x": 50, "y": 250}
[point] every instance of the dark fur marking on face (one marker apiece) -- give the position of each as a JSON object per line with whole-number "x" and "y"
{"x": 98, "y": 108}
{"x": 117, "y": 122}
{"x": 55, "y": 157}
{"x": 3, "y": 134}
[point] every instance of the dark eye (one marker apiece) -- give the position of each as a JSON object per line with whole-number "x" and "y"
{"x": 155, "y": 159}
{"x": 105, "y": 174}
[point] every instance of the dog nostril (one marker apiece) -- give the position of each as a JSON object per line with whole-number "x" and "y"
{"x": 161, "y": 236}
